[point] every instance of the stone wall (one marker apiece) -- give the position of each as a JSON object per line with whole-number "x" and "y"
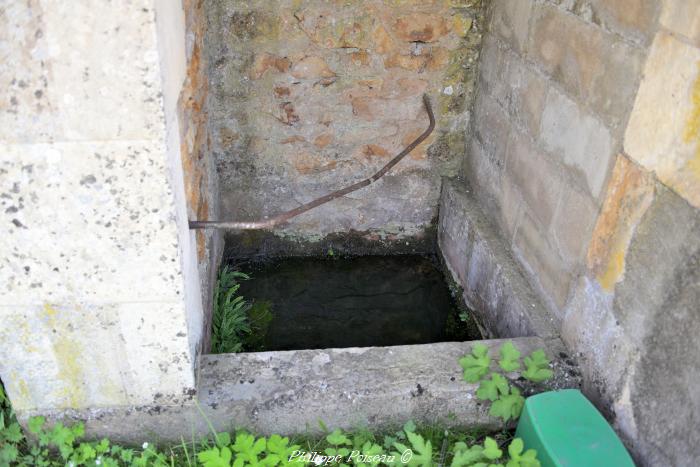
{"x": 309, "y": 96}
{"x": 200, "y": 178}
{"x": 555, "y": 89}
{"x": 585, "y": 152}
{"x": 100, "y": 299}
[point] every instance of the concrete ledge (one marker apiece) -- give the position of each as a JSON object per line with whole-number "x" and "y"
{"x": 493, "y": 284}
{"x": 289, "y": 392}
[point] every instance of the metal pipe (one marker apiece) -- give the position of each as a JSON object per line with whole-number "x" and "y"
{"x": 286, "y": 216}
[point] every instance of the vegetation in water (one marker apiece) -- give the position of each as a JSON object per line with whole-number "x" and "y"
{"x": 238, "y": 324}
{"x": 506, "y": 399}
{"x": 231, "y": 323}
{"x": 260, "y": 316}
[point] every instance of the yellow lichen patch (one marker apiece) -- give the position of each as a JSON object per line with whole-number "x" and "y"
{"x": 21, "y": 397}
{"x": 70, "y": 372}
{"x": 694, "y": 164}
{"x": 23, "y": 389}
{"x": 67, "y": 354}
{"x": 630, "y": 192}
{"x": 26, "y": 335}
{"x": 616, "y": 266}
{"x": 692, "y": 128}
{"x": 461, "y": 25}
{"x": 50, "y": 311}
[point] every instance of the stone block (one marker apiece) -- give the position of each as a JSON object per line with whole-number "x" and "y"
{"x": 581, "y": 140}
{"x": 527, "y": 97}
{"x": 571, "y": 229}
{"x": 511, "y": 208}
{"x": 636, "y": 327}
{"x": 288, "y": 392}
{"x": 682, "y": 17}
{"x": 663, "y": 133}
{"x": 311, "y": 67}
{"x": 492, "y": 127}
{"x": 59, "y": 86}
{"x": 540, "y": 257}
{"x": 494, "y": 284}
{"x": 629, "y": 193}
{"x": 592, "y": 332}
{"x": 510, "y": 21}
{"x": 657, "y": 306}
{"x": 633, "y": 19}
{"x": 485, "y": 161}
{"x": 101, "y": 303}
{"x": 83, "y": 355}
{"x": 483, "y": 173}
{"x": 517, "y": 88}
{"x": 86, "y": 222}
{"x": 492, "y": 64}
{"x": 539, "y": 180}
{"x": 597, "y": 67}
{"x": 421, "y": 27}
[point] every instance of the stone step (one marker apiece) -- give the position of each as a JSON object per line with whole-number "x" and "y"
{"x": 288, "y": 392}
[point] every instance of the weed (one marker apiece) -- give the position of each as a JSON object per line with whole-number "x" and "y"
{"x": 230, "y": 324}
{"x": 506, "y": 400}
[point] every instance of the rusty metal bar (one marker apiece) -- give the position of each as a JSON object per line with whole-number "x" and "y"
{"x": 285, "y": 216}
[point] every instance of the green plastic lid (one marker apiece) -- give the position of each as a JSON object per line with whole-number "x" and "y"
{"x": 567, "y": 430}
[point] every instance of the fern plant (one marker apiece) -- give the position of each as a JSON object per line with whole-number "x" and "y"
{"x": 230, "y": 323}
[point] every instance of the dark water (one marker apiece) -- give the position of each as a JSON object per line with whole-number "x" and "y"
{"x": 311, "y": 303}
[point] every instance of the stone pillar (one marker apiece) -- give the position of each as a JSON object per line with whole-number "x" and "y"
{"x": 100, "y": 302}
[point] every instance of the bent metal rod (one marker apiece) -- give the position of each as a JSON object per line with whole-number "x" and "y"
{"x": 282, "y": 218}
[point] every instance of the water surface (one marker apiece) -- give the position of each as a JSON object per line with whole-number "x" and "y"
{"x": 352, "y": 302}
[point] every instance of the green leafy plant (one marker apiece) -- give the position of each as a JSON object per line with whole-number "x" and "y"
{"x": 215, "y": 457}
{"x": 518, "y": 458}
{"x": 506, "y": 400}
{"x": 510, "y": 357}
{"x": 60, "y": 445}
{"x": 230, "y": 323}
{"x": 477, "y": 364}
{"x": 492, "y": 389}
{"x": 508, "y": 405}
{"x": 421, "y": 450}
{"x": 537, "y": 367}
{"x": 10, "y": 431}
{"x": 490, "y": 454}
{"x": 339, "y": 445}
{"x": 247, "y": 450}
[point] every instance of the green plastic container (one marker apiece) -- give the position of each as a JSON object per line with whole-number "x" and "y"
{"x": 567, "y": 430}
